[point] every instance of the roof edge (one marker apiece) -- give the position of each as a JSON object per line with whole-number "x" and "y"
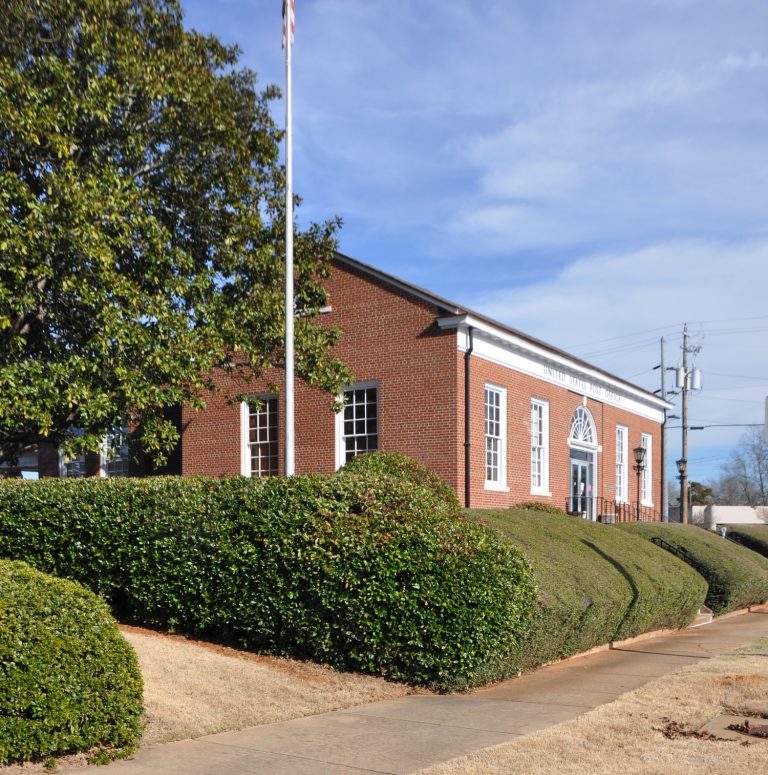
{"x": 414, "y": 290}
{"x": 456, "y": 311}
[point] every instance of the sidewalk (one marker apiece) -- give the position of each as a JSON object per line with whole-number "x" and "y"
{"x": 401, "y": 736}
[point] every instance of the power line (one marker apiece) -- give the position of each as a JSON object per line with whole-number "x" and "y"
{"x": 721, "y": 425}
{"x": 730, "y": 320}
{"x": 620, "y": 348}
{"x": 735, "y": 387}
{"x": 728, "y": 331}
{"x": 734, "y": 400}
{"x": 737, "y": 376}
{"x": 672, "y": 328}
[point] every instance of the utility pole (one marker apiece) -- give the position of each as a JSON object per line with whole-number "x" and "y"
{"x": 664, "y": 493}
{"x": 664, "y": 393}
{"x": 684, "y": 474}
{"x": 687, "y": 379}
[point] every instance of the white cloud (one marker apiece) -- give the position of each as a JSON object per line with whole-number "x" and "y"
{"x": 604, "y": 162}
{"x": 752, "y": 61}
{"x": 612, "y": 309}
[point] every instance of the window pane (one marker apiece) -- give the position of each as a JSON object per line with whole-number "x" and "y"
{"x": 360, "y": 427}
{"x": 262, "y": 437}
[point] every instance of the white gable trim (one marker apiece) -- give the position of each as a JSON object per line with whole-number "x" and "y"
{"x": 502, "y": 347}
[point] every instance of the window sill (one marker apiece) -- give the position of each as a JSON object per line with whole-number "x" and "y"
{"x": 496, "y": 487}
{"x": 544, "y": 493}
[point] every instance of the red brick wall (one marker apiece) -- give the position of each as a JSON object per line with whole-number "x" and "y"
{"x": 391, "y": 338}
{"x": 521, "y": 388}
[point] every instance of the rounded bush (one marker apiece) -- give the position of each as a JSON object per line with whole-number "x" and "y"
{"x": 540, "y": 508}
{"x": 754, "y": 537}
{"x": 596, "y": 583}
{"x": 362, "y": 571}
{"x": 69, "y": 681}
{"x": 405, "y": 468}
{"x": 365, "y": 574}
{"x": 737, "y": 576}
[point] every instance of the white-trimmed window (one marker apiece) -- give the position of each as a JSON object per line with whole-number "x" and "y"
{"x": 495, "y": 438}
{"x": 259, "y": 431}
{"x": 72, "y": 467}
{"x": 116, "y": 454}
{"x": 357, "y": 424}
{"x": 539, "y": 447}
{"x": 646, "y": 489}
{"x": 112, "y": 460}
{"x": 622, "y": 456}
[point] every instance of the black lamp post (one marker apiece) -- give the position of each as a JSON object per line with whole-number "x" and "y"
{"x": 639, "y": 453}
{"x": 682, "y": 471}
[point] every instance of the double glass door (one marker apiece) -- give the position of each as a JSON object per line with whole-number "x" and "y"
{"x": 582, "y": 483}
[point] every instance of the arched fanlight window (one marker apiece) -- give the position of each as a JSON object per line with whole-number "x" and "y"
{"x": 583, "y": 427}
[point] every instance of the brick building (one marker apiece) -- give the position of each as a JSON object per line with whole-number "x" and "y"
{"x": 499, "y": 415}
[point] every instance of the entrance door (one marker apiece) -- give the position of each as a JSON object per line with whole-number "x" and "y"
{"x": 582, "y": 483}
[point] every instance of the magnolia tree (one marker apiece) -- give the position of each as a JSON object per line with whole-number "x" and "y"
{"x": 141, "y": 225}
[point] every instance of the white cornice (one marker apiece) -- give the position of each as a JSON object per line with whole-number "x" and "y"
{"x": 515, "y": 352}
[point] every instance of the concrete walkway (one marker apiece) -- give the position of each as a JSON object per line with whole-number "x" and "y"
{"x": 402, "y": 736}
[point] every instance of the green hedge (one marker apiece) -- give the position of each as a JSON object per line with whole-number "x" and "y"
{"x": 754, "y": 537}
{"x": 362, "y": 572}
{"x": 69, "y": 681}
{"x": 405, "y": 468}
{"x": 737, "y": 577}
{"x": 596, "y": 583}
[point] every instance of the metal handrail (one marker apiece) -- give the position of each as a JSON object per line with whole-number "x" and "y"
{"x": 610, "y": 511}
{"x": 682, "y": 554}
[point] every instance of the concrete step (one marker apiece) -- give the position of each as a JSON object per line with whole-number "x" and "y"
{"x": 704, "y": 616}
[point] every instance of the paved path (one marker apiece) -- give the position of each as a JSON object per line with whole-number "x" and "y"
{"x": 402, "y": 736}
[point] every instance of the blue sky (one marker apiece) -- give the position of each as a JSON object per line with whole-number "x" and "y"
{"x": 594, "y": 173}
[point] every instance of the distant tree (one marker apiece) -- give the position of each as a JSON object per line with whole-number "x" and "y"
{"x": 141, "y": 225}
{"x": 699, "y": 494}
{"x": 744, "y": 479}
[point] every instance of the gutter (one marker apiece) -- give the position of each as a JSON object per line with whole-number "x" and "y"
{"x": 467, "y": 444}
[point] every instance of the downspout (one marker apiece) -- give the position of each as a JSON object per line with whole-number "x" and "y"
{"x": 467, "y": 444}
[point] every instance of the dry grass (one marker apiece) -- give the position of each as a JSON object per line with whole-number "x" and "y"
{"x": 192, "y": 688}
{"x": 628, "y": 735}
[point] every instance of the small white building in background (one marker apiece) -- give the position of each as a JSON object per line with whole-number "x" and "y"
{"x": 713, "y": 517}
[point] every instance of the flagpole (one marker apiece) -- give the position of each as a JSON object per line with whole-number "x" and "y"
{"x": 290, "y": 438}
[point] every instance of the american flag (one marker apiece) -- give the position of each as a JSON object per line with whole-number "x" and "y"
{"x": 292, "y": 4}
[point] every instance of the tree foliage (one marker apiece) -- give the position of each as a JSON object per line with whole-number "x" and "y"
{"x": 744, "y": 479}
{"x": 141, "y": 224}
{"x": 699, "y": 494}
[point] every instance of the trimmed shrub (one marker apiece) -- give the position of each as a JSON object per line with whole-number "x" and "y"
{"x": 543, "y": 508}
{"x": 596, "y": 584}
{"x": 69, "y": 681}
{"x": 754, "y": 537}
{"x": 737, "y": 576}
{"x": 359, "y": 571}
{"x": 406, "y": 468}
